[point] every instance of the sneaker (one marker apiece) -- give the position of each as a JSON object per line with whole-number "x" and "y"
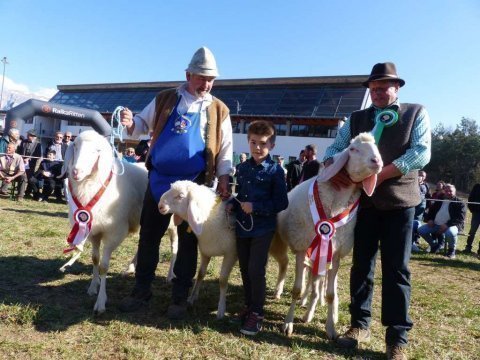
{"x": 415, "y": 248}
{"x": 177, "y": 311}
{"x": 451, "y": 254}
{"x": 353, "y": 337}
{"x": 252, "y": 325}
{"x": 135, "y": 301}
{"x": 241, "y": 316}
{"x": 395, "y": 352}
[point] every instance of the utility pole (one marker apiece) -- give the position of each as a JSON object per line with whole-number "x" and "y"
{"x": 5, "y": 62}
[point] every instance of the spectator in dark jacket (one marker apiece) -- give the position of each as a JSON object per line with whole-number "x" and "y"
{"x": 311, "y": 165}
{"x": 475, "y": 210}
{"x": 31, "y": 151}
{"x": 294, "y": 171}
{"x": 447, "y": 218}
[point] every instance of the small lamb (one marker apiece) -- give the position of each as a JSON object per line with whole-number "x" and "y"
{"x": 362, "y": 162}
{"x": 205, "y": 213}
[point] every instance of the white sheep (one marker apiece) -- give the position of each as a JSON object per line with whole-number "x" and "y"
{"x": 89, "y": 161}
{"x": 205, "y": 213}
{"x": 362, "y": 162}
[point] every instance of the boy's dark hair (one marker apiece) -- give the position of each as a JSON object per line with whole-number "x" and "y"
{"x": 262, "y": 128}
{"x": 51, "y": 152}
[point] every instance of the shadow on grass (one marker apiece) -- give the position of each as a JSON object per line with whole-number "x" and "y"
{"x": 469, "y": 262}
{"x": 63, "y": 214}
{"x": 54, "y": 301}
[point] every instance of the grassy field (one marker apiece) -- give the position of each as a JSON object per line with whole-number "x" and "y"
{"x": 46, "y": 314}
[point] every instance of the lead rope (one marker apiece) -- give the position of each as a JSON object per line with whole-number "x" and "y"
{"x": 117, "y": 132}
{"x": 238, "y": 222}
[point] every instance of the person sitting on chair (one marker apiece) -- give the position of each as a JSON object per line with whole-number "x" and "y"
{"x": 444, "y": 218}
{"x": 12, "y": 169}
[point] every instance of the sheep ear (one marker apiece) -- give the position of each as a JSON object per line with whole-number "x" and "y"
{"x": 369, "y": 184}
{"x": 339, "y": 161}
{"x": 195, "y": 217}
{"x": 68, "y": 160}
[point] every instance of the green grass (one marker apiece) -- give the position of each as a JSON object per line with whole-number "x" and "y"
{"x": 47, "y": 314}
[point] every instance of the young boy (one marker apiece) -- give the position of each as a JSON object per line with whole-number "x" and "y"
{"x": 262, "y": 193}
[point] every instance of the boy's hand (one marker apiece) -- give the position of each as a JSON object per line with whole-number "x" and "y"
{"x": 247, "y": 207}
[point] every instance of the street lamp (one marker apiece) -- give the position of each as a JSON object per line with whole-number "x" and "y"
{"x": 5, "y": 62}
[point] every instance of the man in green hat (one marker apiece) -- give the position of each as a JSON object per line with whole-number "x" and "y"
{"x": 384, "y": 221}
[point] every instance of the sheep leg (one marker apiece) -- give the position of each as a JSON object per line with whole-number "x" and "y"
{"x": 323, "y": 289}
{"x": 332, "y": 299}
{"x": 279, "y": 251}
{"x": 296, "y": 292}
{"x": 95, "y": 283}
{"x": 317, "y": 281}
{"x": 103, "y": 270}
{"x": 202, "y": 270}
{"x": 130, "y": 269}
{"x": 172, "y": 232}
{"x": 228, "y": 262}
{"x": 308, "y": 286}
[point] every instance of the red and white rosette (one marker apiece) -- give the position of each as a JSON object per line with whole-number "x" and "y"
{"x": 82, "y": 215}
{"x": 320, "y": 251}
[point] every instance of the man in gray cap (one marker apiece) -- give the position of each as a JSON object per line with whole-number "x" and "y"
{"x": 192, "y": 140}
{"x": 31, "y": 151}
{"x": 384, "y": 221}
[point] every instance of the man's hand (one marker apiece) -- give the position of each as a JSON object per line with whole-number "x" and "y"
{"x": 126, "y": 118}
{"x": 9, "y": 179}
{"x": 222, "y": 187}
{"x": 443, "y": 228}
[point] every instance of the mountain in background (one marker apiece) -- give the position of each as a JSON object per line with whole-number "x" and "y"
{"x": 14, "y": 94}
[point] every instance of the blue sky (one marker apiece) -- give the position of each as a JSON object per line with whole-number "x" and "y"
{"x": 433, "y": 42}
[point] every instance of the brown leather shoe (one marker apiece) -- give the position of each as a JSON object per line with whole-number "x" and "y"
{"x": 395, "y": 352}
{"x": 353, "y": 337}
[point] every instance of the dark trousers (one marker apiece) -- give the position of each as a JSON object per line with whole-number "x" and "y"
{"x": 153, "y": 226}
{"x": 392, "y": 232}
{"x": 473, "y": 229}
{"x": 252, "y": 257}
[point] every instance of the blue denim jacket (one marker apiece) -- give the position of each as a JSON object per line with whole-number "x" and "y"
{"x": 264, "y": 186}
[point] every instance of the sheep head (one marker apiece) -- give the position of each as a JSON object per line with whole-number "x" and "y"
{"x": 188, "y": 200}
{"x": 90, "y": 153}
{"x": 361, "y": 160}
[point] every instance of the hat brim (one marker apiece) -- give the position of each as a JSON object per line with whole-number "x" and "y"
{"x": 379, "y": 78}
{"x": 202, "y": 72}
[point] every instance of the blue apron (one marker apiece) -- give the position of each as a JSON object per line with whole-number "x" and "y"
{"x": 178, "y": 153}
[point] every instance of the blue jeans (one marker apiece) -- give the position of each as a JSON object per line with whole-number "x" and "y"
{"x": 391, "y": 232}
{"x": 426, "y": 232}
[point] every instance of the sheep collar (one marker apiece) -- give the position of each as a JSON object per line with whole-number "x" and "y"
{"x": 82, "y": 215}
{"x": 319, "y": 253}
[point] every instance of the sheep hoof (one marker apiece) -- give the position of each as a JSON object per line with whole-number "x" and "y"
{"x": 307, "y": 317}
{"x": 278, "y": 294}
{"x": 288, "y": 329}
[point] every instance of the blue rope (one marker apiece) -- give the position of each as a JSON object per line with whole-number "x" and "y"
{"x": 117, "y": 132}
{"x": 117, "y": 127}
